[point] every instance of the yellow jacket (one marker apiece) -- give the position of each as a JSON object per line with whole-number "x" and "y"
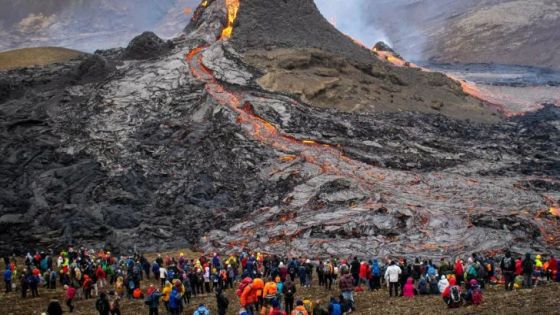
{"x": 166, "y": 292}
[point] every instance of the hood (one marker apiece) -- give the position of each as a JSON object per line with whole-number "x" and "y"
{"x": 409, "y": 281}
{"x": 452, "y": 281}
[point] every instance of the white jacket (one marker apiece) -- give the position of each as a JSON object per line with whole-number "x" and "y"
{"x": 442, "y": 284}
{"x": 392, "y": 273}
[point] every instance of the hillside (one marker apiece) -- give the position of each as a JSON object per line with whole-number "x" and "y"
{"x": 26, "y": 57}
{"x": 476, "y": 31}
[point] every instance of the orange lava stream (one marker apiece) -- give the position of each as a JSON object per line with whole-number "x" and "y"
{"x": 232, "y": 9}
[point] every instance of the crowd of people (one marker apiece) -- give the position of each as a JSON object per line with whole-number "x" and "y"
{"x": 264, "y": 284}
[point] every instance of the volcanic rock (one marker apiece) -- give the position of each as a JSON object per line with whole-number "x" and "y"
{"x": 145, "y": 46}
{"x": 94, "y": 68}
{"x": 327, "y": 69}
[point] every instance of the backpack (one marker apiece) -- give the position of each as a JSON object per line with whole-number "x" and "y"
{"x": 454, "y": 296}
{"x": 308, "y": 306}
{"x": 336, "y": 309}
{"x": 376, "y": 272}
{"x": 508, "y": 263}
{"x": 328, "y": 269}
{"x": 476, "y": 296}
{"x": 242, "y": 286}
{"x": 472, "y": 272}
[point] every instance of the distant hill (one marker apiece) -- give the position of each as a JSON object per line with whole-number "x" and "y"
{"x": 26, "y": 57}
{"x": 87, "y": 25}
{"x": 471, "y": 31}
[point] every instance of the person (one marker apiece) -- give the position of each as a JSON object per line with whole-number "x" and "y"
{"x": 334, "y": 307}
{"x": 153, "y": 302}
{"x": 528, "y": 268}
{"x": 474, "y": 294}
{"x": 289, "y": 291}
{"x": 408, "y": 289}
{"x": 221, "y": 301}
{"x": 201, "y": 310}
{"x": 70, "y": 294}
{"x": 392, "y": 277}
{"x": 375, "y": 280}
{"x": 166, "y": 293}
{"x": 452, "y": 294}
{"x": 54, "y": 308}
{"x": 247, "y": 296}
{"x": 162, "y": 275}
{"x": 300, "y": 309}
{"x": 364, "y": 272}
{"x": 87, "y": 285}
{"x": 102, "y": 304}
{"x": 355, "y": 270}
{"x": 538, "y": 269}
{"x": 459, "y": 271}
{"x": 269, "y": 292}
{"x": 346, "y": 285}
{"x": 507, "y": 265}
{"x": 34, "y": 283}
{"x": 8, "y": 279}
{"x": 442, "y": 284}
{"x": 114, "y": 303}
{"x": 276, "y": 308}
{"x": 423, "y": 286}
{"x": 258, "y": 287}
{"x": 175, "y": 300}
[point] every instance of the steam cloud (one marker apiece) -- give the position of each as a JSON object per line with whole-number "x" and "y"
{"x": 399, "y": 23}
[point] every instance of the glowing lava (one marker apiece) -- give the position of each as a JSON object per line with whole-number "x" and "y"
{"x": 232, "y": 7}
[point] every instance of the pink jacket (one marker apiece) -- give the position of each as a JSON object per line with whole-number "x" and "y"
{"x": 408, "y": 290}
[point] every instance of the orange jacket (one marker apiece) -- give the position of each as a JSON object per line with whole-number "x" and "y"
{"x": 269, "y": 289}
{"x": 258, "y": 286}
{"x": 300, "y": 309}
{"x": 248, "y": 296}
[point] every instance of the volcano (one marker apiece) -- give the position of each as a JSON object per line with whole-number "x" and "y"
{"x": 264, "y": 127}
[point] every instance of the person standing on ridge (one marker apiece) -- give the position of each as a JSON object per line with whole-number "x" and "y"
{"x": 392, "y": 276}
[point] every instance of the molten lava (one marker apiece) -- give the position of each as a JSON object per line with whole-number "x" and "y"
{"x": 232, "y": 7}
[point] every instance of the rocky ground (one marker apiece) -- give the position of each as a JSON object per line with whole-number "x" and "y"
{"x": 109, "y": 150}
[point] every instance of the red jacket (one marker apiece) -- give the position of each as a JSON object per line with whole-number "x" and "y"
{"x": 70, "y": 293}
{"x": 518, "y": 267}
{"x": 100, "y": 273}
{"x": 459, "y": 269}
{"x": 364, "y": 271}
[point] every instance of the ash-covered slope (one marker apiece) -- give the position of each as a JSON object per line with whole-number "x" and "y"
{"x": 517, "y": 32}
{"x": 185, "y": 149}
{"x": 300, "y": 53}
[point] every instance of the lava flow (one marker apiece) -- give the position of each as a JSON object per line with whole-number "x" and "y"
{"x": 232, "y": 7}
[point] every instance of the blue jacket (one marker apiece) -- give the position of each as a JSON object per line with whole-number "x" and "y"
{"x": 201, "y": 310}
{"x": 335, "y": 309}
{"x": 8, "y": 275}
{"x": 375, "y": 270}
{"x": 175, "y": 299}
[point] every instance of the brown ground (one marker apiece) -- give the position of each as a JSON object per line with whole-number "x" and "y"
{"x": 541, "y": 300}
{"x": 328, "y": 81}
{"x": 26, "y": 57}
